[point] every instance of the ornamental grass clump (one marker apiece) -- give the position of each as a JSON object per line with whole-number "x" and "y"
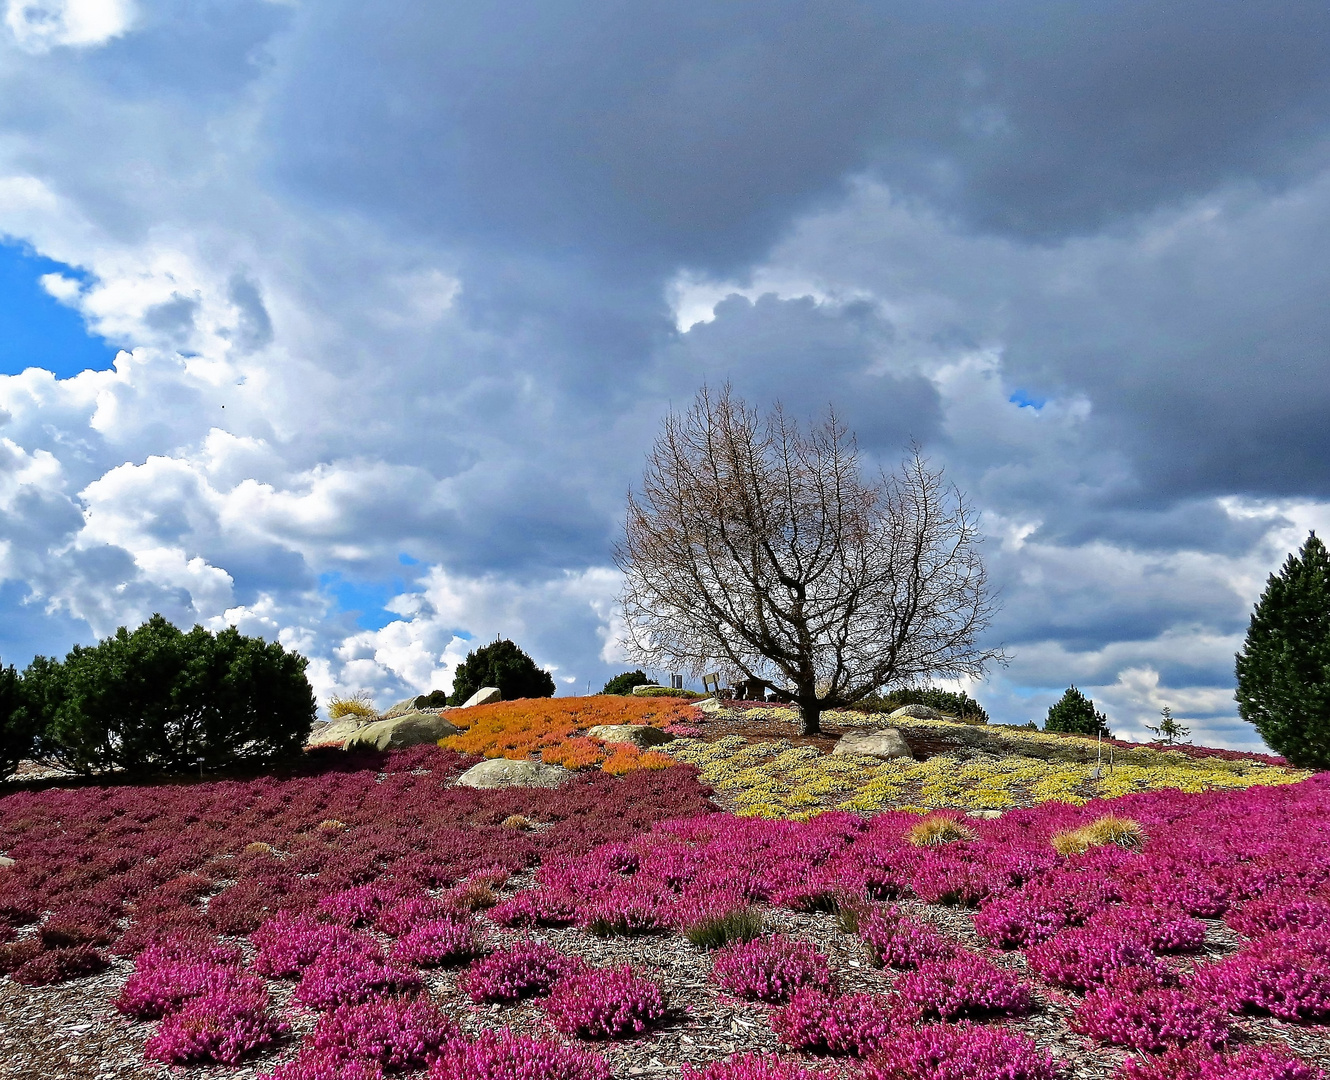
{"x": 899, "y": 941}
{"x": 223, "y": 1027}
{"x": 963, "y": 1051}
{"x": 1152, "y": 1019}
{"x": 716, "y": 931}
{"x": 1109, "y": 829}
{"x": 437, "y": 944}
{"x": 770, "y": 969}
{"x": 1199, "y": 1063}
{"x": 753, "y": 1067}
{"x": 505, "y": 1056}
{"x": 939, "y": 829}
{"x": 605, "y": 1003}
{"x": 850, "y": 1026}
{"x": 528, "y": 969}
{"x": 965, "y": 986}
{"x": 1084, "y": 957}
{"x": 396, "y": 1033}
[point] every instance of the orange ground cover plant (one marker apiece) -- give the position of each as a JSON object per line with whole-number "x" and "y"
{"x": 555, "y": 729}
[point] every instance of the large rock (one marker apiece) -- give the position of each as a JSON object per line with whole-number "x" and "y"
{"x": 918, "y": 712}
{"x": 502, "y": 773}
{"x": 400, "y": 709}
{"x": 709, "y": 705}
{"x": 336, "y": 733}
{"x": 642, "y": 688}
{"x": 884, "y": 743}
{"x": 483, "y": 696}
{"x": 640, "y": 735}
{"x": 400, "y": 732}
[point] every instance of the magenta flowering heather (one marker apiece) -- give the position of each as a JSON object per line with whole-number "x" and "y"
{"x": 222, "y": 1027}
{"x": 397, "y": 918}
{"x": 288, "y": 944}
{"x": 1017, "y": 921}
{"x": 1285, "y": 975}
{"x": 1197, "y": 1063}
{"x": 633, "y": 907}
{"x": 1280, "y": 909}
{"x": 769, "y": 969}
{"x": 899, "y": 941}
{"x": 527, "y": 969}
{"x": 337, "y": 978}
{"x": 1162, "y": 929}
{"x": 962, "y": 1051}
{"x": 325, "y": 1065}
{"x": 964, "y": 986}
{"x": 436, "y": 944}
{"x": 358, "y": 905}
{"x": 397, "y": 1033}
{"x": 1152, "y": 1019}
{"x": 1081, "y": 958}
{"x": 505, "y": 1056}
{"x": 540, "y": 906}
{"x": 753, "y": 1067}
{"x": 854, "y": 1025}
{"x": 605, "y": 1003}
{"x": 51, "y": 966}
{"x": 161, "y": 986}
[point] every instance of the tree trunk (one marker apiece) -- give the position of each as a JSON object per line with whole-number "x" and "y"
{"x": 810, "y": 712}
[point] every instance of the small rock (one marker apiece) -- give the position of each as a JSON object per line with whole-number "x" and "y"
{"x": 5, "y": 862}
{"x": 502, "y": 773}
{"x": 643, "y": 687}
{"x": 640, "y": 735}
{"x": 918, "y": 712}
{"x": 483, "y": 696}
{"x": 400, "y": 732}
{"x": 709, "y": 705}
{"x": 987, "y": 815}
{"x": 883, "y": 743}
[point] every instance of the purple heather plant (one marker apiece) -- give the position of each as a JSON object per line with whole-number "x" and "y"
{"x": 437, "y": 944}
{"x": 753, "y": 1067}
{"x": 337, "y": 978}
{"x": 397, "y": 1033}
{"x": 527, "y": 969}
{"x": 1198, "y": 1063}
{"x": 896, "y": 940}
{"x": 770, "y": 969}
{"x": 605, "y": 1003}
{"x": 505, "y": 1056}
{"x": 854, "y": 1025}
{"x": 962, "y": 1051}
{"x": 1084, "y": 957}
{"x": 222, "y": 1027}
{"x": 964, "y": 986}
{"x": 1152, "y": 1019}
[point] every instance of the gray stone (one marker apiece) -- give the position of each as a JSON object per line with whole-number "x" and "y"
{"x": 987, "y": 815}
{"x": 709, "y": 705}
{"x": 483, "y": 696}
{"x": 884, "y": 743}
{"x": 401, "y": 731}
{"x": 918, "y": 712}
{"x": 502, "y": 773}
{"x": 640, "y": 735}
{"x": 400, "y": 709}
{"x": 643, "y": 687}
{"x": 336, "y": 733}
{"x": 5, "y": 862}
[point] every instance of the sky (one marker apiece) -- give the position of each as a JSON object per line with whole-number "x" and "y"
{"x": 351, "y": 324}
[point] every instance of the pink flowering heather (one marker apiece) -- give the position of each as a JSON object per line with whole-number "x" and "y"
{"x": 1161, "y": 929}
{"x": 964, "y": 986}
{"x": 1281, "y": 909}
{"x": 505, "y": 1056}
{"x": 769, "y": 969}
{"x": 605, "y": 1003}
{"x": 359, "y": 905}
{"x": 1285, "y": 975}
{"x": 325, "y": 1065}
{"x": 1018, "y": 921}
{"x": 210, "y": 950}
{"x": 397, "y": 918}
{"x": 941, "y": 878}
{"x": 162, "y": 986}
{"x": 288, "y": 944}
{"x": 528, "y": 969}
{"x": 899, "y": 941}
{"x": 753, "y": 1067}
{"x": 222, "y": 1027}
{"x": 854, "y": 1025}
{"x": 962, "y": 1051}
{"x": 1081, "y": 958}
{"x": 437, "y": 944}
{"x": 633, "y": 907}
{"x": 337, "y": 978}
{"x": 1198, "y": 1063}
{"x": 540, "y": 906}
{"x": 50, "y": 966}
{"x": 397, "y": 1033}
{"x": 1152, "y": 1019}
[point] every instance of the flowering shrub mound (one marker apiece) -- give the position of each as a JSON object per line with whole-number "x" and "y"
{"x": 770, "y": 969}
{"x": 1163, "y": 929}
{"x": 1286, "y": 975}
{"x": 1085, "y": 957}
{"x": 1152, "y": 1019}
{"x": 288, "y": 944}
{"x": 1195, "y": 1063}
{"x": 753, "y": 1067}
{"x": 505, "y": 1056}
{"x": 436, "y": 944}
{"x": 965, "y": 986}
{"x": 1280, "y": 909}
{"x": 59, "y": 965}
{"x": 162, "y": 983}
{"x": 962, "y": 1051}
{"x": 853, "y": 1025}
{"x": 223, "y": 1027}
{"x": 395, "y": 1033}
{"x": 528, "y": 969}
{"x": 336, "y": 978}
{"x": 550, "y": 726}
{"x": 899, "y": 941}
{"x": 605, "y": 1003}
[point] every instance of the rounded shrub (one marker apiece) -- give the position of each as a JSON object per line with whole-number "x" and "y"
{"x": 501, "y": 663}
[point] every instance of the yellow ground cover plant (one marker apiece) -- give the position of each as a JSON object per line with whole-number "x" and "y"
{"x": 554, "y": 729}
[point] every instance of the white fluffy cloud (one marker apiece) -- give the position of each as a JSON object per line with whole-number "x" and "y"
{"x": 40, "y": 25}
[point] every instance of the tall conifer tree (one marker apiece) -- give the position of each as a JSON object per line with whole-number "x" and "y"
{"x": 1283, "y": 669}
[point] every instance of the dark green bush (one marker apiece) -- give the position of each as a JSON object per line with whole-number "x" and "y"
{"x": 18, "y": 728}
{"x": 1075, "y": 714}
{"x": 623, "y": 684}
{"x": 665, "y": 691}
{"x": 435, "y": 699}
{"x": 1283, "y": 670}
{"x": 158, "y": 700}
{"x": 501, "y": 664}
{"x": 952, "y": 702}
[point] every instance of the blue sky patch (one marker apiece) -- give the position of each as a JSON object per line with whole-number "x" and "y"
{"x": 364, "y": 598}
{"x": 1024, "y": 400}
{"x": 36, "y": 330}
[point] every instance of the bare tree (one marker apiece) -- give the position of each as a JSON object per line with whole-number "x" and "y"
{"x": 757, "y": 548}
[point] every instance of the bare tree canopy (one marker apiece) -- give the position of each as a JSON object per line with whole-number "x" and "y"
{"x": 756, "y": 547}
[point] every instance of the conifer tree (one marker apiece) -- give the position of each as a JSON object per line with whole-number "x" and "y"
{"x": 1283, "y": 670}
{"x": 1075, "y": 714}
{"x": 503, "y": 664}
